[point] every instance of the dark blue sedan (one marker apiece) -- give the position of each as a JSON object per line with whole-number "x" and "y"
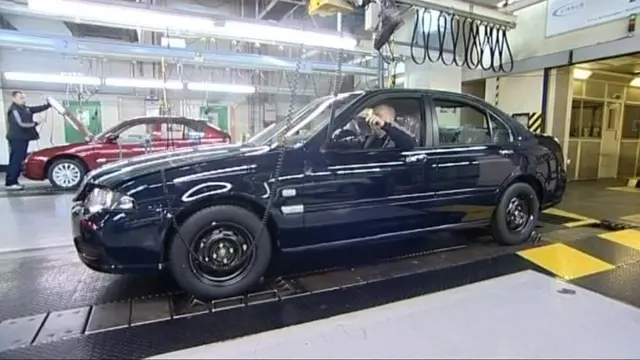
{"x": 215, "y": 215}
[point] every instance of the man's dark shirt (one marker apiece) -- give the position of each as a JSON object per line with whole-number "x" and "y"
{"x": 20, "y": 123}
{"x": 402, "y": 139}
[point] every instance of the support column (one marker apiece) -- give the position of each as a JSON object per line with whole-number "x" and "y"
{"x": 558, "y": 111}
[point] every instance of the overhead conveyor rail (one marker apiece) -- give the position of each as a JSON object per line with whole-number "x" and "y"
{"x": 465, "y": 9}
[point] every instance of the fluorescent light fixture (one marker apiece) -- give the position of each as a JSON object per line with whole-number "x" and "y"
{"x": 131, "y": 17}
{"x": 176, "y": 43}
{"x": 635, "y": 82}
{"x": 143, "y": 83}
{"x": 52, "y": 78}
{"x": 230, "y": 88}
{"x": 581, "y": 74}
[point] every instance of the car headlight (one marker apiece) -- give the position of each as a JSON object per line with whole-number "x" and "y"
{"x": 105, "y": 199}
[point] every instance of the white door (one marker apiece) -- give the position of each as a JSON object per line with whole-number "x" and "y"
{"x": 610, "y": 145}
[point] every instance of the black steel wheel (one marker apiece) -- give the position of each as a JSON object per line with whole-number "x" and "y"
{"x": 515, "y": 217}
{"x": 519, "y": 213}
{"x": 220, "y": 254}
{"x": 212, "y": 255}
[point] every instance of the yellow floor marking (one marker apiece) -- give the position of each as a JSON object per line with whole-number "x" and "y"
{"x": 579, "y": 223}
{"x": 564, "y": 261}
{"x": 625, "y": 189}
{"x": 558, "y": 212}
{"x": 629, "y": 237}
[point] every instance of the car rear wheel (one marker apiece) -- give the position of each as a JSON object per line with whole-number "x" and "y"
{"x": 66, "y": 173}
{"x": 516, "y": 216}
{"x": 216, "y": 252}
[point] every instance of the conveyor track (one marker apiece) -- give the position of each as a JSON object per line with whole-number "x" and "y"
{"x": 159, "y": 300}
{"x": 34, "y": 191}
{"x": 57, "y": 325}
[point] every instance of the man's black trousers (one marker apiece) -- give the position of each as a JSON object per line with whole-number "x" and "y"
{"x": 17, "y": 154}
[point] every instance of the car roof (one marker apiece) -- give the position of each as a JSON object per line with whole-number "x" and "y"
{"x": 417, "y": 90}
{"x": 153, "y": 117}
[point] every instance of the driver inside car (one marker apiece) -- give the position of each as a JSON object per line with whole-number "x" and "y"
{"x": 386, "y": 131}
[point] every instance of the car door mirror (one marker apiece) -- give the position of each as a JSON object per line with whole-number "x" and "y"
{"x": 111, "y": 138}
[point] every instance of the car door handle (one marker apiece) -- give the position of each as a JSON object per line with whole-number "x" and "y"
{"x": 506, "y": 152}
{"x": 415, "y": 158}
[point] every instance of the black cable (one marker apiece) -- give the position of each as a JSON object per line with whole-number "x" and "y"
{"x": 474, "y": 44}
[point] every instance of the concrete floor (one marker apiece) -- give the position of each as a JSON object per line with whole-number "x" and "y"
{"x": 523, "y": 315}
{"x": 591, "y": 199}
{"x": 35, "y": 222}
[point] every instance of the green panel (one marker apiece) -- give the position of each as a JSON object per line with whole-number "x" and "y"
{"x": 90, "y": 113}
{"x": 217, "y": 115}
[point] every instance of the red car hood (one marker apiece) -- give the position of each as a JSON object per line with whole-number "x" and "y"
{"x": 69, "y": 117}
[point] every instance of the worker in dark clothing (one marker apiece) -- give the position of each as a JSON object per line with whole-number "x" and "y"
{"x": 21, "y": 129}
{"x": 386, "y": 132}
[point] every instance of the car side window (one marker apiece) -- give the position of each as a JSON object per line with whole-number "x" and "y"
{"x": 464, "y": 124}
{"x": 356, "y": 134}
{"x": 135, "y": 134}
{"x": 172, "y": 130}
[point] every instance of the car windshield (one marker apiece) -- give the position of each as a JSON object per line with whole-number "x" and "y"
{"x": 305, "y": 122}
{"x": 111, "y": 130}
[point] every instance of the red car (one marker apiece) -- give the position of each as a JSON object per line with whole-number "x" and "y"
{"x": 65, "y": 166}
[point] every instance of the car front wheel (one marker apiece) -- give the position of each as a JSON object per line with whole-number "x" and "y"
{"x": 516, "y": 216}
{"x": 217, "y": 253}
{"x": 66, "y": 173}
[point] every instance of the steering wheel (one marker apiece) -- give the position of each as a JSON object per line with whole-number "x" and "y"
{"x": 368, "y": 141}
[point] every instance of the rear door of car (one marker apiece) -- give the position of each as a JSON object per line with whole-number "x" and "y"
{"x": 475, "y": 155}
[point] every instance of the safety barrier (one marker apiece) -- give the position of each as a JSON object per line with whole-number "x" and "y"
{"x": 532, "y": 120}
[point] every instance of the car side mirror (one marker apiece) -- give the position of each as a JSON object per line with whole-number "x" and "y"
{"x": 111, "y": 138}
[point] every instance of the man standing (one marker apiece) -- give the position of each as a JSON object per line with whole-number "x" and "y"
{"x": 21, "y": 129}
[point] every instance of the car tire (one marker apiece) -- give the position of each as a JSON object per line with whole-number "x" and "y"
{"x": 75, "y": 169}
{"x": 193, "y": 233}
{"x": 518, "y": 203}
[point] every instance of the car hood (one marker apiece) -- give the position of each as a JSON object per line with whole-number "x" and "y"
{"x": 113, "y": 174}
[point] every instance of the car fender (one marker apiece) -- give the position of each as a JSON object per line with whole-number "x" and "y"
{"x": 171, "y": 218}
{"x": 528, "y": 171}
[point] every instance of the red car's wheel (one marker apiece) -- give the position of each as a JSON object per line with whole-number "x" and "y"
{"x": 66, "y": 173}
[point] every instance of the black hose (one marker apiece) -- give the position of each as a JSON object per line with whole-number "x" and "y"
{"x": 460, "y": 41}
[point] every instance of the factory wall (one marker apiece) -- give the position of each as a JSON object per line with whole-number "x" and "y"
{"x": 128, "y": 103}
{"x": 516, "y": 93}
{"x": 528, "y": 39}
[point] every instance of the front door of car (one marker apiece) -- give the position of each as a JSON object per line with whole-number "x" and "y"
{"x": 475, "y": 155}
{"x": 134, "y": 140}
{"x": 353, "y": 194}
{"x": 179, "y": 133}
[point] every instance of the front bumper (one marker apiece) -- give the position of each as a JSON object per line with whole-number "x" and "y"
{"x": 89, "y": 245}
{"x": 33, "y": 170}
{"x": 100, "y": 251}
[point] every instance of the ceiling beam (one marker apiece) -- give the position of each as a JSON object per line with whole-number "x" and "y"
{"x": 267, "y": 8}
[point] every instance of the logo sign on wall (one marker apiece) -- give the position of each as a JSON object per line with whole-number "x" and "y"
{"x": 571, "y": 15}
